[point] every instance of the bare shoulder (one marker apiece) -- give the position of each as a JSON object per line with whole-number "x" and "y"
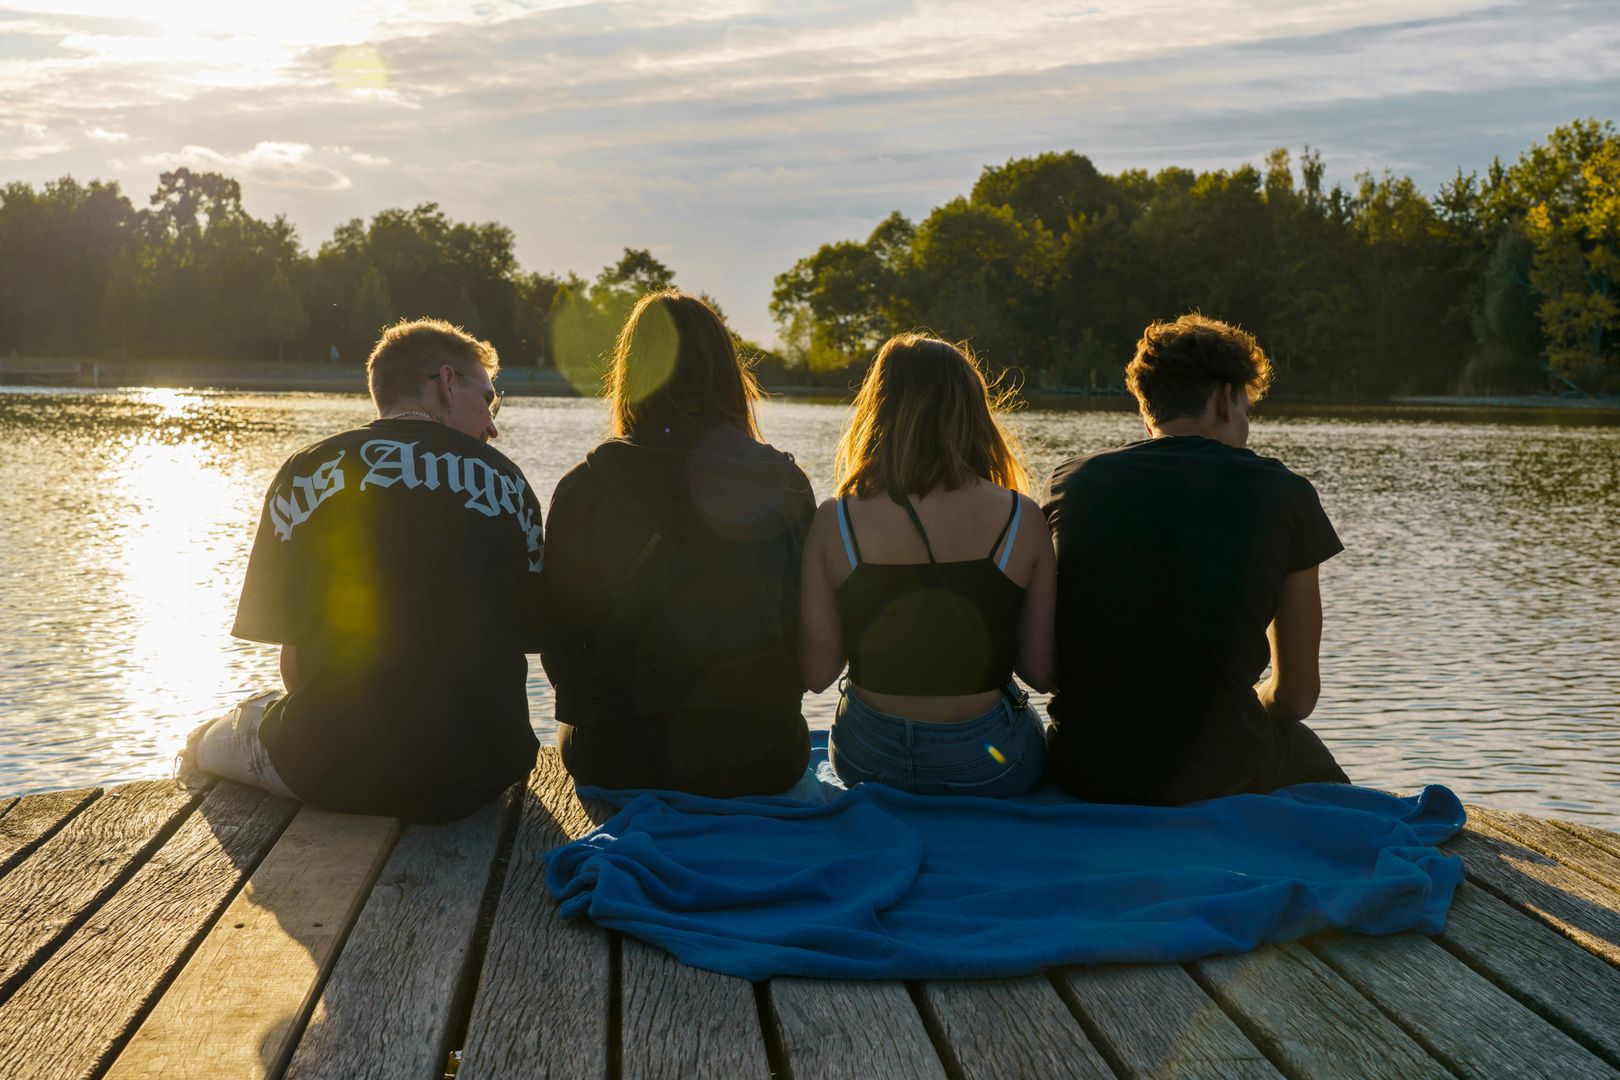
{"x": 826, "y": 514}
{"x": 1034, "y": 540}
{"x": 823, "y": 527}
{"x": 1030, "y": 512}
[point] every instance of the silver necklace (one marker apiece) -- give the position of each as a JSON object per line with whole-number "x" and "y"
{"x": 408, "y": 413}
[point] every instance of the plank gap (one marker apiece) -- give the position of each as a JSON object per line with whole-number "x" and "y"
{"x": 1256, "y": 1035}
{"x": 6, "y": 804}
{"x": 1583, "y": 849}
{"x": 1600, "y": 838}
{"x": 1509, "y": 987}
{"x": 615, "y": 1010}
{"x": 1445, "y": 1060}
{"x": 1093, "y": 1031}
{"x": 1545, "y": 918}
{"x": 239, "y": 1005}
{"x": 26, "y": 848}
{"x": 770, "y": 1030}
{"x": 323, "y": 971}
{"x": 136, "y": 860}
{"x": 936, "y": 1031}
{"x": 467, "y": 987}
{"x": 116, "y": 1046}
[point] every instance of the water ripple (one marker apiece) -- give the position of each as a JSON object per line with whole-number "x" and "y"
{"x": 1470, "y": 636}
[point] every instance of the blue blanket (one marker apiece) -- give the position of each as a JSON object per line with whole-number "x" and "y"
{"x": 875, "y": 883}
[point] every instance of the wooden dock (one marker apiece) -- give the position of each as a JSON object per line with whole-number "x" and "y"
{"x": 147, "y": 931}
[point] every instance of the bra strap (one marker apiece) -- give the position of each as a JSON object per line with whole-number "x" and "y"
{"x": 911, "y": 512}
{"x": 851, "y": 548}
{"x": 1009, "y": 532}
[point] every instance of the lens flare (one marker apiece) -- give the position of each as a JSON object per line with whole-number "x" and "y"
{"x": 359, "y": 67}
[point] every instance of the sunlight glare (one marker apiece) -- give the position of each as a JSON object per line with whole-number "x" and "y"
{"x": 173, "y": 565}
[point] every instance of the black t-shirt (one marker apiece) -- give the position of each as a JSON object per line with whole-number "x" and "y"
{"x": 1171, "y": 555}
{"x": 402, "y": 559}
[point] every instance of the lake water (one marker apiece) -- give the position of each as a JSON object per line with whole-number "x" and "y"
{"x": 1472, "y": 631}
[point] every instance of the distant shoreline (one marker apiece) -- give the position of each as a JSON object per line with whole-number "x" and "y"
{"x": 548, "y": 382}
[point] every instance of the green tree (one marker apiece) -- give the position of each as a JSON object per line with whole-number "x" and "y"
{"x": 638, "y": 271}
{"x": 372, "y": 308}
{"x": 1571, "y": 187}
{"x": 122, "y": 307}
{"x": 1505, "y": 323}
{"x": 829, "y": 307}
{"x": 279, "y": 313}
{"x": 1051, "y": 189}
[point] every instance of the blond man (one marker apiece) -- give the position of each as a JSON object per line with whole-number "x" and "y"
{"x": 397, "y": 566}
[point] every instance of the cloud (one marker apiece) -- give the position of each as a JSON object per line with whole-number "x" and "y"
{"x": 273, "y": 164}
{"x": 30, "y": 141}
{"x": 736, "y": 135}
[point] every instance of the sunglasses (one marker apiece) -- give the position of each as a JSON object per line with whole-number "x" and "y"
{"x": 492, "y": 396}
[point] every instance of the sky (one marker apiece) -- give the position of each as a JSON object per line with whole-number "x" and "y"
{"x": 733, "y": 137}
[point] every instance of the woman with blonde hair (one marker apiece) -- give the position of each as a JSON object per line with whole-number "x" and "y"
{"x": 670, "y": 591}
{"x": 932, "y": 574}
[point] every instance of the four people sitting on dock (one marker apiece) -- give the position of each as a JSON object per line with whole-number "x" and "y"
{"x": 1178, "y": 558}
{"x": 931, "y": 573}
{"x": 692, "y": 591}
{"x": 397, "y": 565}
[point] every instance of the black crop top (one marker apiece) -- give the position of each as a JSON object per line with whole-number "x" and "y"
{"x": 930, "y": 628}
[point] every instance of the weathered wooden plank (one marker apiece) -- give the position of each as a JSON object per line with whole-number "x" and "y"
{"x": 1567, "y": 900}
{"x": 67, "y": 875}
{"x": 386, "y": 1011}
{"x": 851, "y": 1029}
{"x": 240, "y": 1002}
{"x": 74, "y": 1012}
{"x": 1473, "y": 1027}
{"x": 1549, "y": 839}
{"x": 6, "y": 804}
{"x": 1012, "y": 1027}
{"x": 678, "y": 1021}
{"x": 1538, "y": 965}
{"x": 1308, "y": 1019}
{"x": 34, "y": 817}
{"x": 1602, "y": 838}
{"x": 1154, "y": 1021}
{"x": 541, "y": 1008}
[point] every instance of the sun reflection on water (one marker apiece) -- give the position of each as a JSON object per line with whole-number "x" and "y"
{"x": 173, "y": 521}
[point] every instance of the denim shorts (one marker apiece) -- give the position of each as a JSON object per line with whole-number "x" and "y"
{"x": 229, "y": 747}
{"x": 999, "y": 753}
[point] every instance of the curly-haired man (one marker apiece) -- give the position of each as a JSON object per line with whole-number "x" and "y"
{"x": 1186, "y": 563}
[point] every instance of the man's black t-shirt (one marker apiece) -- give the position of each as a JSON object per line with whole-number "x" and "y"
{"x": 402, "y": 560}
{"x": 1171, "y": 555}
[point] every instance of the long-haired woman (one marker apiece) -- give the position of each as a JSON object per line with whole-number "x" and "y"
{"x": 932, "y": 574}
{"x": 671, "y": 578}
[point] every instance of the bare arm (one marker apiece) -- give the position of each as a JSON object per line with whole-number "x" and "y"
{"x": 289, "y": 667}
{"x": 1296, "y": 641}
{"x": 1035, "y": 624}
{"x": 821, "y": 645}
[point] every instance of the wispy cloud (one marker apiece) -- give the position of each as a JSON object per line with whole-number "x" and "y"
{"x": 733, "y": 136}
{"x": 273, "y": 164}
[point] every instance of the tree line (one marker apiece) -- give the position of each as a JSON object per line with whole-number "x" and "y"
{"x": 1501, "y": 282}
{"x": 86, "y": 273}
{"x": 1049, "y": 268}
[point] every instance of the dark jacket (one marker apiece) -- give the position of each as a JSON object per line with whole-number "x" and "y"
{"x": 671, "y": 600}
